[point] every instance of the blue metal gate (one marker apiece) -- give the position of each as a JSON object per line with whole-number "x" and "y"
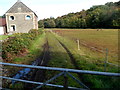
{"x": 63, "y": 71}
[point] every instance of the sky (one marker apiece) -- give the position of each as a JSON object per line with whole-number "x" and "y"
{"x": 53, "y": 8}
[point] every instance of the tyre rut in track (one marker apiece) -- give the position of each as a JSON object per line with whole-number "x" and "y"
{"x": 73, "y": 61}
{"x": 39, "y": 75}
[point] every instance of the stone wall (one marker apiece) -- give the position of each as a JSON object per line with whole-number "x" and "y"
{"x": 22, "y": 25}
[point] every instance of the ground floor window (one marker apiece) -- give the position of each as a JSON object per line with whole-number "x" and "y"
{"x": 12, "y": 28}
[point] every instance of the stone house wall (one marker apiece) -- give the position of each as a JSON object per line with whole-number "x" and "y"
{"x": 21, "y": 24}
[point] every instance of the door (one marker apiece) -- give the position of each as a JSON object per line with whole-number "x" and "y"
{"x": 12, "y": 28}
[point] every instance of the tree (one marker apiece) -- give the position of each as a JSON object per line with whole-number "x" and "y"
{"x": 51, "y": 23}
{"x": 40, "y": 24}
{"x": 99, "y": 16}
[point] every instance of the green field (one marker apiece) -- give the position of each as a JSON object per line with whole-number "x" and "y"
{"x": 100, "y": 40}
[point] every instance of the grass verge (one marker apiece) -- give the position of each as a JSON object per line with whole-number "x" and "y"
{"x": 32, "y": 53}
{"x": 2, "y": 37}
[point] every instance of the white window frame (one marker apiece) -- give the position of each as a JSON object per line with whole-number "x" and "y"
{"x": 12, "y": 25}
{"x": 28, "y": 15}
{"x": 10, "y": 17}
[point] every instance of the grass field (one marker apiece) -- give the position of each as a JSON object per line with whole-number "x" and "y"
{"x": 100, "y": 40}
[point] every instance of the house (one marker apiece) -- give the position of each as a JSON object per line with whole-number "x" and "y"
{"x": 2, "y": 26}
{"x": 20, "y": 19}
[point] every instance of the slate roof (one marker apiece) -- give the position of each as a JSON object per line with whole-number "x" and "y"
{"x": 2, "y": 21}
{"x": 19, "y": 5}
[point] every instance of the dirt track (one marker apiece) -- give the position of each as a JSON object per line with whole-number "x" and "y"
{"x": 38, "y": 75}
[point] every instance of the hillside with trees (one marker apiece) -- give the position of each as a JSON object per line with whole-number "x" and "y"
{"x": 100, "y": 16}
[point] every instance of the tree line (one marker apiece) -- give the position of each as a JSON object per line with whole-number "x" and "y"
{"x": 100, "y": 16}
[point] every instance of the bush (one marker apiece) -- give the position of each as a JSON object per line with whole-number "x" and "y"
{"x": 18, "y": 42}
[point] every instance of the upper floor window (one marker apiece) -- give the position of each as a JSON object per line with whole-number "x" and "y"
{"x": 28, "y": 17}
{"x": 11, "y": 18}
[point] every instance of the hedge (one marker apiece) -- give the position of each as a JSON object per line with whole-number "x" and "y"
{"x": 17, "y": 43}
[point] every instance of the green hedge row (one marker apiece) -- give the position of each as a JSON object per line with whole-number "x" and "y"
{"x": 18, "y": 42}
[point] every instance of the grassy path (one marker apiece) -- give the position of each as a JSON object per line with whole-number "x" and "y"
{"x": 59, "y": 58}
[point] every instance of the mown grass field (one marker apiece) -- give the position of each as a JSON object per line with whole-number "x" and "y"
{"x": 100, "y": 40}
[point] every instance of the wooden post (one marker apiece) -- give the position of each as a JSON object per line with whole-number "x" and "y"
{"x": 78, "y": 42}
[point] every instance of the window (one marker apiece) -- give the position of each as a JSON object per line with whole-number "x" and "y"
{"x": 12, "y": 28}
{"x": 12, "y": 18}
{"x": 28, "y": 17}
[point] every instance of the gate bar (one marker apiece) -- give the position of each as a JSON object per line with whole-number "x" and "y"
{"x": 39, "y": 83}
{"x": 49, "y": 80}
{"x": 62, "y": 69}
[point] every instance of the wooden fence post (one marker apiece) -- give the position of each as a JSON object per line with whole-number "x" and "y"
{"x": 78, "y": 42}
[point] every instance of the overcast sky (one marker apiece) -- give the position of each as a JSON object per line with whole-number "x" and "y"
{"x": 53, "y": 8}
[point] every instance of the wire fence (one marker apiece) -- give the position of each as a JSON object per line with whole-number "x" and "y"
{"x": 101, "y": 50}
